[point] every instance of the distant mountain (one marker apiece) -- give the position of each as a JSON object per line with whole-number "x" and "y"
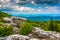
{"x": 37, "y": 15}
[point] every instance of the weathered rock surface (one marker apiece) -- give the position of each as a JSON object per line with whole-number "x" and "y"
{"x": 3, "y": 38}
{"x": 18, "y": 37}
{"x": 14, "y": 21}
{"x": 16, "y": 30}
{"x": 39, "y": 33}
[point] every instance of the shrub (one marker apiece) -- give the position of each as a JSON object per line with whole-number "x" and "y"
{"x": 5, "y": 31}
{"x": 27, "y": 28}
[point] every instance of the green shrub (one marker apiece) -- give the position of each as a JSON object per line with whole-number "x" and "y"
{"x": 27, "y": 28}
{"x": 5, "y": 31}
{"x": 52, "y": 25}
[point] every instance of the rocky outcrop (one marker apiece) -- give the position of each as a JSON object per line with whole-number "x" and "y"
{"x": 18, "y": 37}
{"x": 42, "y": 34}
{"x": 37, "y": 34}
{"x": 16, "y": 30}
{"x": 3, "y": 38}
{"x": 14, "y": 21}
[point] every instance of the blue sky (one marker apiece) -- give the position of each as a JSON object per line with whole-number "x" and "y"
{"x": 30, "y": 6}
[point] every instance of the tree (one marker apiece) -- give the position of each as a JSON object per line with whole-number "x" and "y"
{"x": 51, "y": 25}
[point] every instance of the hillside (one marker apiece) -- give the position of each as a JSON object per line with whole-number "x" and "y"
{"x": 2, "y": 14}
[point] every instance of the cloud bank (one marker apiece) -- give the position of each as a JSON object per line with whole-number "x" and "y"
{"x": 20, "y": 5}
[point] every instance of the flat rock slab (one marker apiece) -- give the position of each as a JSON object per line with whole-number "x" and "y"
{"x": 3, "y": 38}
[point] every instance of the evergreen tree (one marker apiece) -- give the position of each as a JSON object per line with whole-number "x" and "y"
{"x": 51, "y": 25}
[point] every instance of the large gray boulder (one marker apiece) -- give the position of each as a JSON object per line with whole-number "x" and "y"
{"x": 3, "y": 38}
{"x": 34, "y": 39}
{"x": 17, "y": 37}
{"x": 40, "y": 33}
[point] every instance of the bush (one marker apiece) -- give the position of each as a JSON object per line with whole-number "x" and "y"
{"x": 5, "y": 31}
{"x": 27, "y": 28}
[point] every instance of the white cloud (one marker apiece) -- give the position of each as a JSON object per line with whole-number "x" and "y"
{"x": 0, "y": 6}
{"x": 40, "y": 10}
{"x": 32, "y": 2}
{"x": 53, "y": 9}
{"x": 1, "y": 0}
{"x": 46, "y": 9}
{"x": 21, "y": 9}
{"x": 5, "y": 4}
{"x": 17, "y": 1}
{"x": 7, "y": 0}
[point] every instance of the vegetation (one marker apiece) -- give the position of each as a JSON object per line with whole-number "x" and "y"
{"x": 27, "y": 28}
{"x": 2, "y": 14}
{"x": 51, "y": 25}
{"x": 47, "y": 25}
{"x": 5, "y": 31}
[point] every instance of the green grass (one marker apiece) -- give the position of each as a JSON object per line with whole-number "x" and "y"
{"x": 46, "y": 25}
{"x": 26, "y": 28}
{"x": 2, "y": 14}
{"x": 5, "y": 31}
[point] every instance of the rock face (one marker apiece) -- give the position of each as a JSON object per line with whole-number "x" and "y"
{"x": 14, "y": 21}
{"x": 37, "y": 34}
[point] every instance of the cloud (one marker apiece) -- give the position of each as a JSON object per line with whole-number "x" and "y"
{"x": 0, "y": 6}
{"x": 46, "y": 1}
{"x": 53, "y": 9}
{"x": 13, "y": 5}
{"x": 6, "y": 5}
{"x": 23, "y": 9}
{"x": 23, "y": 1}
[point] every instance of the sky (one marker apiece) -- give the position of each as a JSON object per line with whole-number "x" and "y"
{"x": 30, "y": 6}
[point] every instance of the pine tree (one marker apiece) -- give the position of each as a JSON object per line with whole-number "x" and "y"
{"x": 51, "y": 25}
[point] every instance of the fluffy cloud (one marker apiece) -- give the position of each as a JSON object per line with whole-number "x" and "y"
{"x": 13, "y": 5}
{"x": 23, "y": 9}
{"x": 22, "y": 1}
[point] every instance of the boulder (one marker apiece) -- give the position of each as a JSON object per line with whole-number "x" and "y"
{"x": 40, "y": 33}
{"x": 3, "y": 38}
{"x": 17, "y": 37}
{"x": 34, "y": 39}
{"x": 45, "y": 34}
